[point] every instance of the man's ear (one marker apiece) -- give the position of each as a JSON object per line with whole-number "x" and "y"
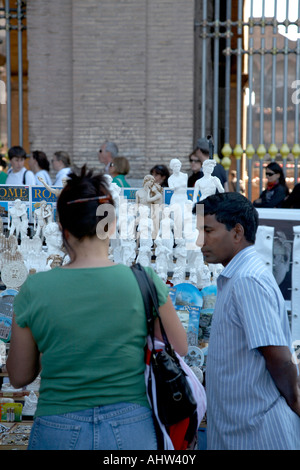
{"x": 239, "y": 232}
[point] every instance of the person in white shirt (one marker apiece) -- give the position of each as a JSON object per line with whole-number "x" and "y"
{"x": 18, "y": 173}
{"x": 39, "y": 164}
{"x": 61, "y": 163}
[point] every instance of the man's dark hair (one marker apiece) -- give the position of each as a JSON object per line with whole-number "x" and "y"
{"x": 16, "y": 151}
{"x": 231, "y": 209}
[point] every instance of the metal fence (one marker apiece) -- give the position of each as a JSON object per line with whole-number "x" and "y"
{"x": 258, "y": 42}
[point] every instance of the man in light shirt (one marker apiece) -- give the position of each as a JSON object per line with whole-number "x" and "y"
{"x": 107, "y": 153}
{"x": 61, "y": 163}
{"x": 18, "y": 173}
{"x": 252, "y": 380}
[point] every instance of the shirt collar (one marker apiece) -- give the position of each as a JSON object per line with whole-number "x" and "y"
{"x": 237, "y": 260}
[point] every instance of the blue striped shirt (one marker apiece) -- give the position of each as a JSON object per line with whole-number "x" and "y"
{"x": 244, "y": 407}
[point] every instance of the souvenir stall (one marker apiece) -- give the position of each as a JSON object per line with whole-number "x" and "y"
{"x": 155, "y": 227}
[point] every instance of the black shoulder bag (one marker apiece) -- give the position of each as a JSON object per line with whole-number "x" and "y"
{"x": 174, "y": 397}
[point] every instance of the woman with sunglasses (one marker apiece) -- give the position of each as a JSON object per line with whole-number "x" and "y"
{"x": 276, "y": 190}
{"x": 88, "y": 335}
{"x": 196, "y": 166}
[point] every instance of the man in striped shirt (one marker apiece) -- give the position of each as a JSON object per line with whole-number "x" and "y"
{"x": 252, "y": 382}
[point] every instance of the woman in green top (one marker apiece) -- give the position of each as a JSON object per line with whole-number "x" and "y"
{"x": 83, "y": 327}
{"x": 3, "y": 174}
{"x": 118, "y": 168}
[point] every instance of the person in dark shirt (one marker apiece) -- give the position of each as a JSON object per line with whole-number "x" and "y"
{"x": 276, "y": 190}
{"x": 293, "y": 200}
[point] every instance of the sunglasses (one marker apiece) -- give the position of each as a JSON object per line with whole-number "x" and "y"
{"x": 194, "y": 160}
{"x": 270, "y": 174}
{"x": 111, "y": 164}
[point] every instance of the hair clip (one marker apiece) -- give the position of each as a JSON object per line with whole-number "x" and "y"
{"x": 100, "y": 199}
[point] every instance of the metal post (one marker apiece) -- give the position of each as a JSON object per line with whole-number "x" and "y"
{"x": 238, "y": 109}
{"x": 273, "y": 91}
{"x": 216, "y": 75}
{"x": 203, "y": 95}
{"x": 20, "y": 71}
{"x": 250, "y": 119}
{"x": 227, "y": 72}
{"x": 8, "y": 73}
{"x": 261, "y": 120}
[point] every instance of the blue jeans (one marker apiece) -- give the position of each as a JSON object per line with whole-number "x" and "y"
{"x": 122, "y": 426}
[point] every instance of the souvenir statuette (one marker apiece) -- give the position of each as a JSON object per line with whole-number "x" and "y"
{"x": 18, "y": 219}
{"x": 208, "y": 184}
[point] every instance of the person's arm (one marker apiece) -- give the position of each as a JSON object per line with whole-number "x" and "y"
{"x": 23, "y": 359}
{"x": 284, "y": 373}
{"x": 173, "y": 327}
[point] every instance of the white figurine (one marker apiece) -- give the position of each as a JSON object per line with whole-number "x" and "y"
{"x": 127, "y": 235}
{"x": 203, "y": 276}
{"x": 150, "y": 193}
{"x": 30, "y": 404}
{"x": 178, "y": 183}
{"x": 179, "y": 200}
{"x": 55, "y": 191}
{"x": 42, "y": 217}
{"x": 180, "y": 253}
{"x": 145, "y": 228}
{"x": 17, "y": 219}
{"x": 164, "y": 256}
{"x": 53, "y": 238}
{"x": 208, "y": 184}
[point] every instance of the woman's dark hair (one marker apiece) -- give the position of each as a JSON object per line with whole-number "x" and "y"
{"x": 41, "y": 159}
{"x": 161, "y": 170}
{"x": 231, "y": 209}
{"x": 273, "y": 166}
{"x": 2, "y": 162}
{"x": 78, "y": 202}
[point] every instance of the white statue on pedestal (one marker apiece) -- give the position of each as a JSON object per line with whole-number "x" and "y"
{"x": 203, "y": 276}
{"x": 127, "y": 235}
{"x": 180, "y": 253}
{"x": 178, "y": 183}
{"x": 144, "y": 228}
{"x": 18, "y": 219}
{"x": 164, "y": 243}
{"x": 150, "y": 193}
{"x": 208, "y": 184}
{"x": 53, "y": 238}
{"x": 42, "y": 217}
{"x": 30, "y": 404}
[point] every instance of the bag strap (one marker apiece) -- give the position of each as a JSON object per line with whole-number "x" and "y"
{"x": 24, "y": 176}
{"x": 150, "y": 298}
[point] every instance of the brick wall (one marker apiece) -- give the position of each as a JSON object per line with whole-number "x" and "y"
{"x": 112, "y": 69}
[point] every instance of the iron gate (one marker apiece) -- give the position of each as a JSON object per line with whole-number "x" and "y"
{"x": 259, "y": 45}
